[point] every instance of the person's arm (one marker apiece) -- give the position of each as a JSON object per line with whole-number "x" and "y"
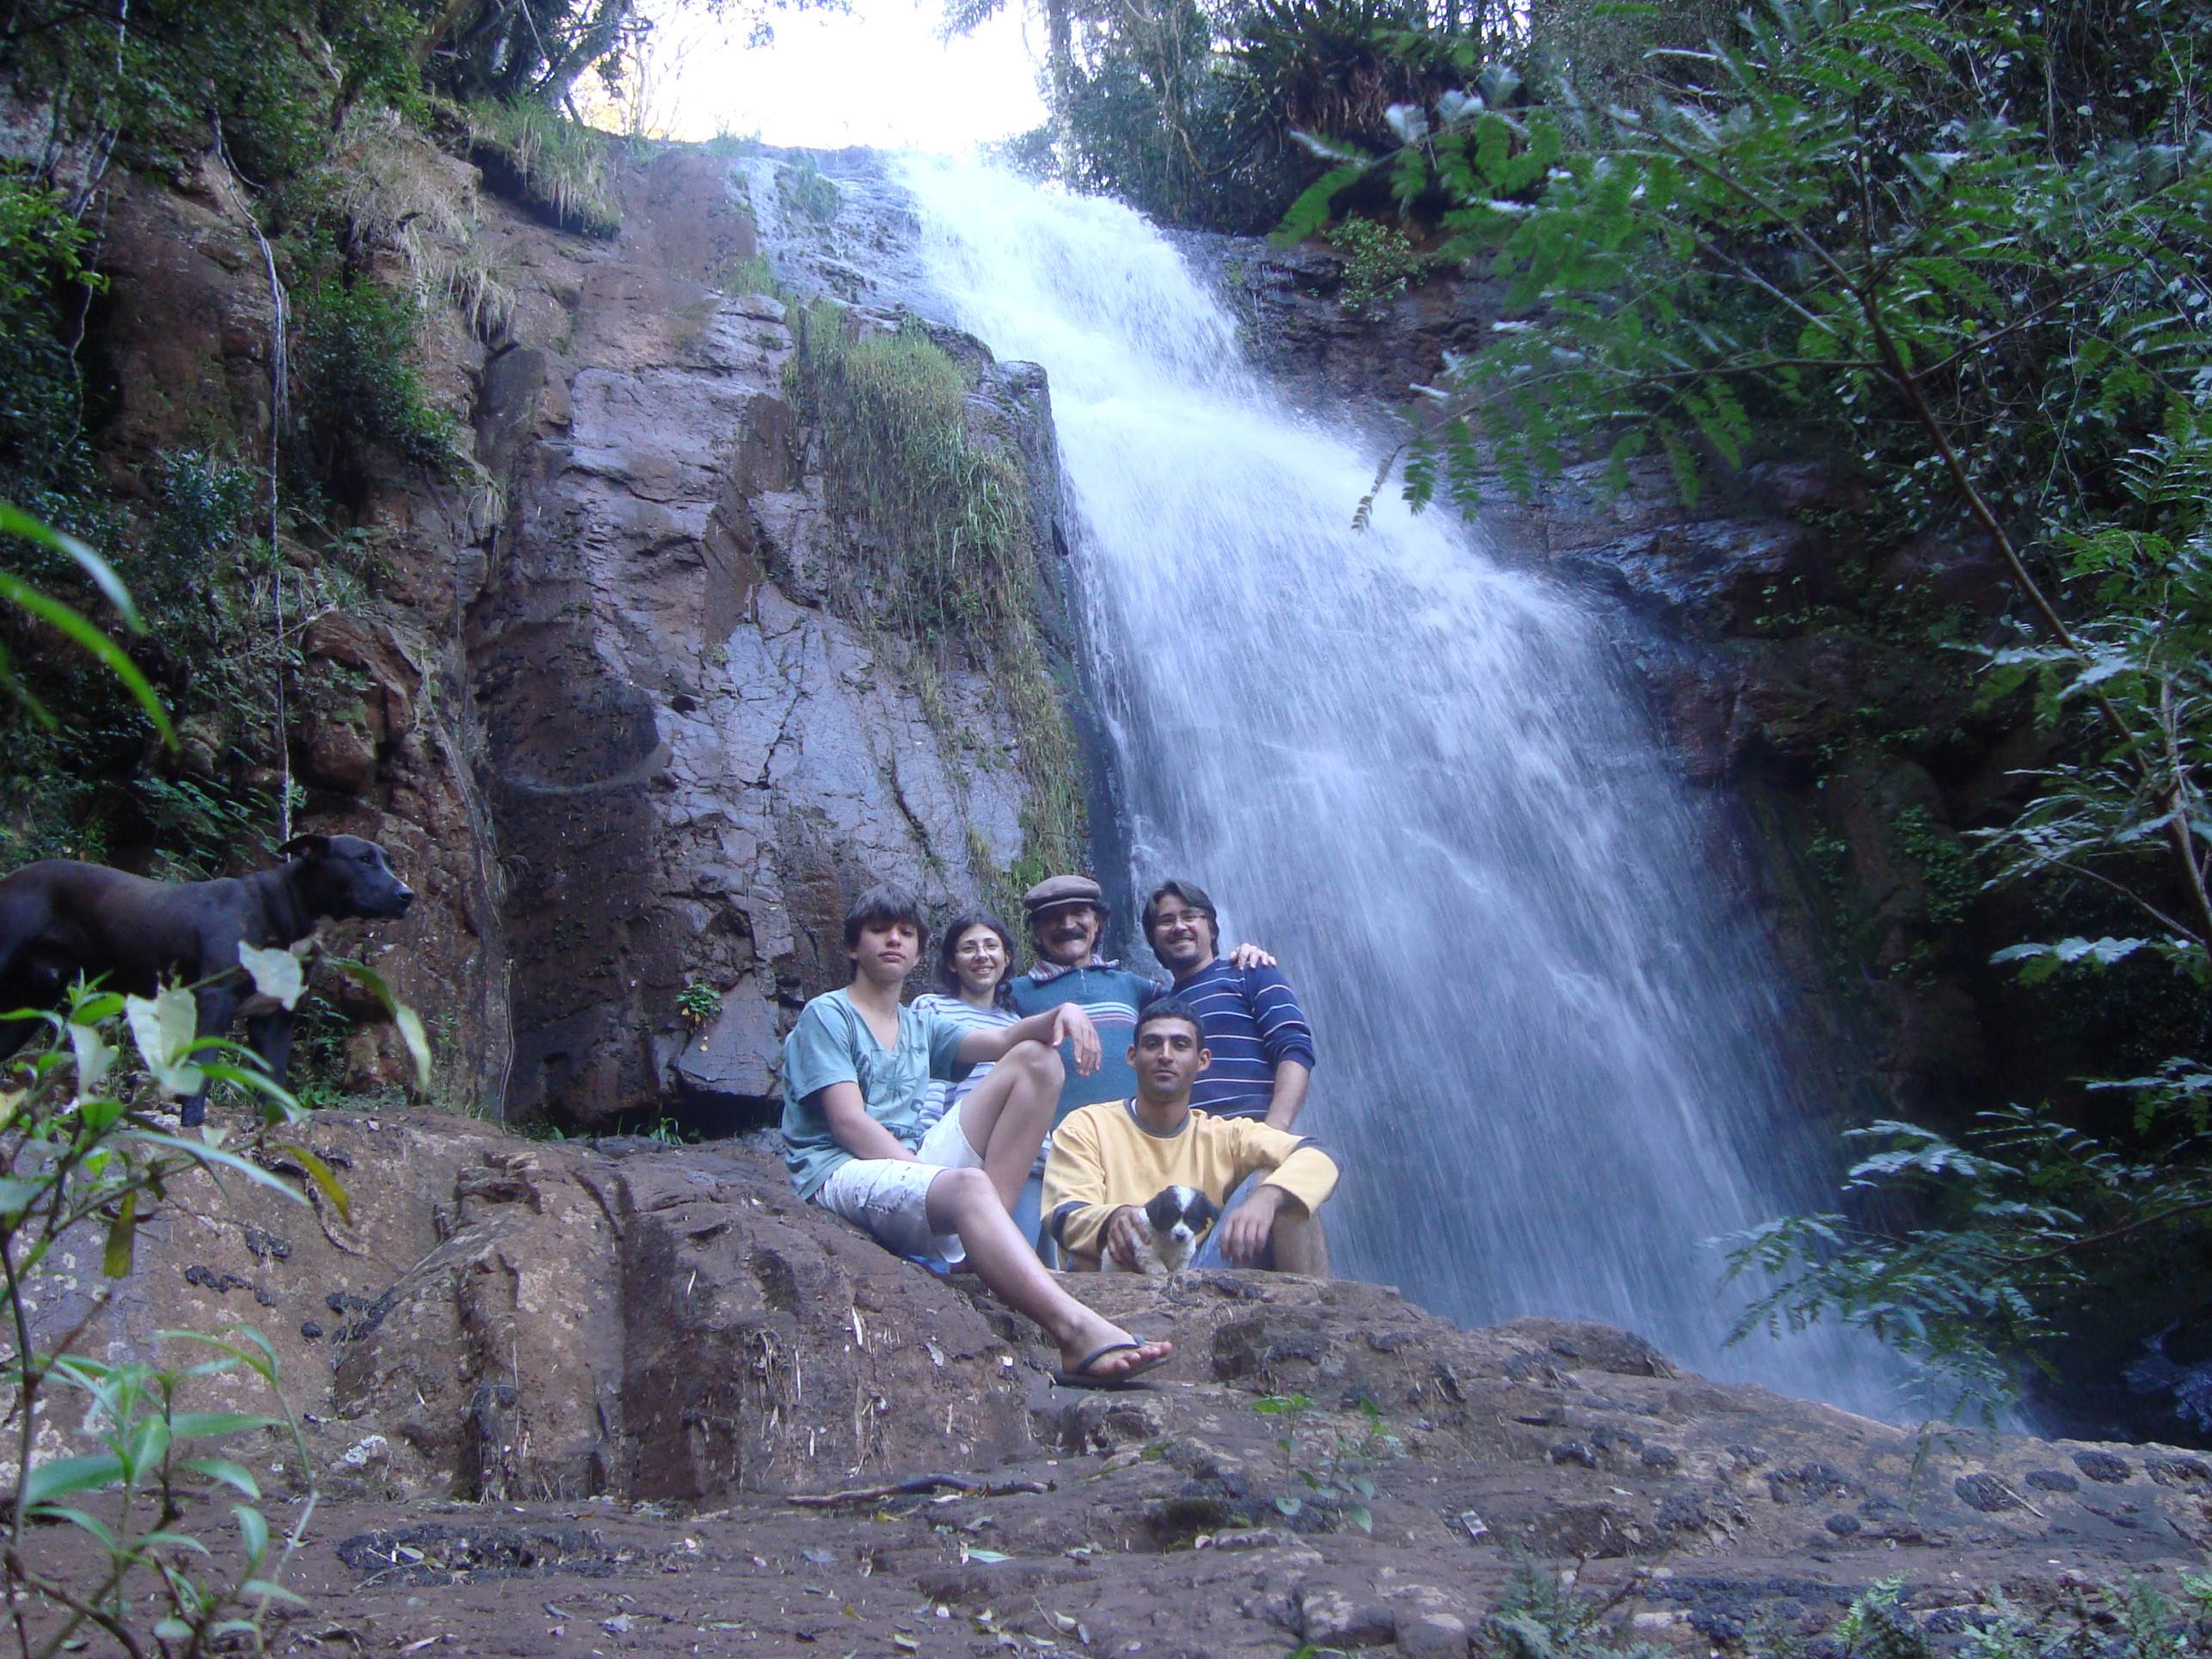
{"x": 846, "y": 1113}
{"x": 1299, "y": 1177}
{"x": 1075, "y": 1207}
{"x": 1290, "y": 1080}
{"x": 1052, "y": 1028}
{"x": 1246, "y": 1229}
{"x": 1286, "y": 1043}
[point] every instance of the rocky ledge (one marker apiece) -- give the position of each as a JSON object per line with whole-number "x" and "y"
{"x": 617, "y": 1362}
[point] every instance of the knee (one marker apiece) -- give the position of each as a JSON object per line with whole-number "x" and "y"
{"x": 961, "y": 1192}
{"x": 1036, "y": 1061}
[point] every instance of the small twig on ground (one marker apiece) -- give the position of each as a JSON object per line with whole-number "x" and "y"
{"x": 919, "y": 1484}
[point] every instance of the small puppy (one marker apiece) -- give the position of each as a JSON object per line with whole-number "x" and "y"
{"x": 1176, "y": 1219}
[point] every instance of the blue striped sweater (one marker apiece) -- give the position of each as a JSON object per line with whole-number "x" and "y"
{"x": 1253, "y": 1023}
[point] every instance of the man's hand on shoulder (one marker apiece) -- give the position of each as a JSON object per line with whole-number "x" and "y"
{"x": 1125, "y": 1234}
{"x": 1246, "y": 1229}
{"x": 1248, "y": 955}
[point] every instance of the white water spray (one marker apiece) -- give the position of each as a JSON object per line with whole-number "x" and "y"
{"x": 1550, "y": 1039}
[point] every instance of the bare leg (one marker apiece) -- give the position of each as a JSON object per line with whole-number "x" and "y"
{"x": 1004, "y": 1117}
{"x": 1298, "y": 1245}
{"x": 966, "y": 1202}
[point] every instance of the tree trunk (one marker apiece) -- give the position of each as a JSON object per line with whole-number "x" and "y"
{"x": 597, "y": 39}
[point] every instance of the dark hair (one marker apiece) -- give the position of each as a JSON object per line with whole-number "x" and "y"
{"x": 1192, "y": 894}
{"x": 1170, "y": 1008}
{"x": 881, "y": 905}
{"x": 1002, "y": 995}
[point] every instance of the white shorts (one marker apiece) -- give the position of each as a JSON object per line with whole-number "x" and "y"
{"x": 891, "y": 1198}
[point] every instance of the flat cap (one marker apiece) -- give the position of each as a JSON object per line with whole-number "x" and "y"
{"x": 1057, "y": 890}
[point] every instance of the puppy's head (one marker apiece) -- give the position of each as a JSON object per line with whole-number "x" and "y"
{"x": 1180, "y": 1215}
{"x": 349, "y": 875}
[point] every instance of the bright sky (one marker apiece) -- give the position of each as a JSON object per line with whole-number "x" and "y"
{"x": 877, "y": 76}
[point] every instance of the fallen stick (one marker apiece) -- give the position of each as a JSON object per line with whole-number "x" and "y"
{"x": 919, "y": 1484}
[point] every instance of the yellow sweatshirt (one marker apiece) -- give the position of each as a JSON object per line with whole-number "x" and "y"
{"x": 1103, "y": 1157}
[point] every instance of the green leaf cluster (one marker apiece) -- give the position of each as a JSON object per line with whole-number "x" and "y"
{"x": 84, "y": 1158}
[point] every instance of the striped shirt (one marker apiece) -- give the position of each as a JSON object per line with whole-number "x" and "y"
{"x": 944, "y": 1094}
{"x": 1252, "y": 1023}
{"x": 1111, "y": 996}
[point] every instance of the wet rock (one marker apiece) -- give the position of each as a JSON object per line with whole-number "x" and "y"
{"x": 1987, "y": 1493}
{"x": 2103, "y": 1466}
{"x": 1432, "y": 1636}
{"x": 1330, "y": 1618}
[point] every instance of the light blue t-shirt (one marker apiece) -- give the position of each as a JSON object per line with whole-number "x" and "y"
{"x": 832, "y": 1043}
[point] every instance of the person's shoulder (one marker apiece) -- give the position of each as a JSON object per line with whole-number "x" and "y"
{"x": 833, "y": 1009}
{"x": 1142, "y": 987}
{"x": 1098, "y": 1117}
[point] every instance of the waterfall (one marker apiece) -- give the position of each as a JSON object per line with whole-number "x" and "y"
{"x": 1553, "y": 1043}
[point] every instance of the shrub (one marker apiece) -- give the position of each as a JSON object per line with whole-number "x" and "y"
{"x": 84, "y": 1161}
{"x": 804, "y": 189}
{"x": 557, "y": 168}
{"x": 45, "y": 466}
{"x": 355, "y": 361}
{"x": 1379, "y": 261}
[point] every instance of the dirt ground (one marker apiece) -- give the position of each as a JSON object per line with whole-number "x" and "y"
{"x": 1190, "y": 1526}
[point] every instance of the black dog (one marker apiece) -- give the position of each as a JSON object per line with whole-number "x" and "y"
{"x": 59, "y": 918}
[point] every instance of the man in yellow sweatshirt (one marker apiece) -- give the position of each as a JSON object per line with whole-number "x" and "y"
{"x": 1107, "y": 1161}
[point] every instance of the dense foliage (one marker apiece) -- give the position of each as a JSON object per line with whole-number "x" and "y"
{"x": 1966, "y": 260}
{"x": 1190, "y": 110}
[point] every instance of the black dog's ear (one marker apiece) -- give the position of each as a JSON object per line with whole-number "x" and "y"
{"x": 311, "y": 847}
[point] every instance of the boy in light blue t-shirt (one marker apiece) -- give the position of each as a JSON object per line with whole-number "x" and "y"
{"x": 855, "y": 1068}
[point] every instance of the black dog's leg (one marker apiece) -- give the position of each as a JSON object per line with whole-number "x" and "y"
{"x": 218, "y": 1005}
{"x": 271, "y": 1037}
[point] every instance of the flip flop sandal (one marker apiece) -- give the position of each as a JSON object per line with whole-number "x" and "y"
{"x": 1083, "y": 1377}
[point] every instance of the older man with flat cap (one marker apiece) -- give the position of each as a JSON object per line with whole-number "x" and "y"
{"x": 1066, "y": 914}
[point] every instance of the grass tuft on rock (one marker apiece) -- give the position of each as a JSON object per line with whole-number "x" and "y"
{"x": 557, "y": 168}
{"x": 942, "y": 555}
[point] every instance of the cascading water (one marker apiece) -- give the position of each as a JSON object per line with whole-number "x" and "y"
{"x": 1551, "y": 1044}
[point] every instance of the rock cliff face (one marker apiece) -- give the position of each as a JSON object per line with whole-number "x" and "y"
{"x": 385, "y": 738}
{"x": 694, "y": 763}
{"x": 600, "y": 706}
{"x": 541, "y": 1324}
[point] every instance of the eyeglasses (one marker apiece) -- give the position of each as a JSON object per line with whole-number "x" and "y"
{"x": 979, "y": 947}
{"x": 1179, "y": 919}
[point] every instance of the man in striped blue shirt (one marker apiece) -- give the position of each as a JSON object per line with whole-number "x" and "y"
{"x": 1066, "y": 914}
{"x": 1262, "y": 1048}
